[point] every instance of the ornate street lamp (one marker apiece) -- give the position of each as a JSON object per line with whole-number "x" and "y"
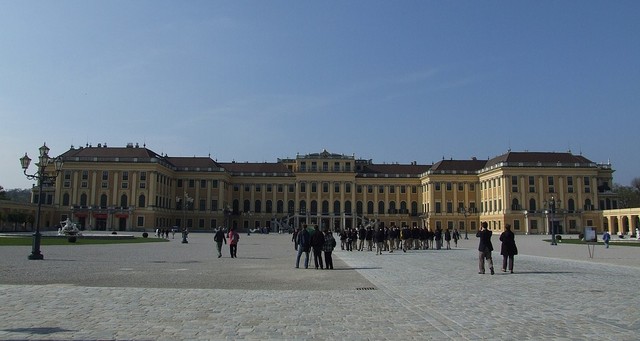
{"x": 552, "y": 210}
{"x": 227, "y": 217}
{"x": 43, "y": 161}
{"x": 186, "y": 201}
{"x": 246, "y": 220}
{"x": 465, "y": 211}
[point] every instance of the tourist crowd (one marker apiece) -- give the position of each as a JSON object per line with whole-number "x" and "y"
{"x": 383, "y": 239}
{"x": 395, "y": 238}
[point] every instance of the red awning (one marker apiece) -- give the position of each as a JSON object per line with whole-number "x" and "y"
{"x": 122, "y": 215}
{"x": 100, "y": 215}
{"x": 80, "y": 215}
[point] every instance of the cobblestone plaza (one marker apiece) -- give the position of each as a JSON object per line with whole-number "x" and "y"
{"x": 173, "y": 291}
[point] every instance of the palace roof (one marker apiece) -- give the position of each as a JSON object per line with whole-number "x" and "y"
{"x": 255, "y": 167}
{"x": 110, "y": 152}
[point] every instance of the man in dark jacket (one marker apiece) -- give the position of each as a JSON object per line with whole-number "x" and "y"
{"x": 362, "y": 233}
{"x": 484, "y": 248}
{"x": 304, "y": 244}
{"x": 219, "y": 238}
{"x": 317, "y": 243}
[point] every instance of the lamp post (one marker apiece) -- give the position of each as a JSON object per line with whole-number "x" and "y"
{"x": 227, "y": 217}
{"x": 186, "y": 200}
{"x": 465, "y": 211}
{"x": 552, "y": 210}
{"x": 247, "y": 219}
{"x": 42, "y": 177}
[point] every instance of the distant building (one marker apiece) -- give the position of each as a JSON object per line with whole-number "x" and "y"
{"x": 133, "y": 188}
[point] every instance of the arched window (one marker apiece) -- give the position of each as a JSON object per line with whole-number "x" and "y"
{"x": 587, "y": 205}
{"x": 314, "y": 207}
{"x": 392, "y": 207}
{"x": 380, "y": 207}
{"x": 571, "y": 205}
{"x": 414, "y": 208}
{"x": 370, "y": 207}
{"x": 141, "y": 200}
{"x": 104, "y": 200}
{"x": 336, "y": 207}
{"x": 403, "y": 207}
{"x": 124, "y": 201}
{"x": 258, "y": 206}
{"x": 65, "y": 199}
{"x": 246, "y": 206}
{"x": 83, "y": 199}
{"x": 269, "y": 206}
{"x": 515, "y": 204}
{"x": 325, "y": 207}
{"x": 347, "y": 207}
{"x": 359, "y": 207}
{"x": 532, "y": 205}
{"x": 236, "y": 206}
{"x": 291, "y": 207}
{"x": 280, "y": 206}
{"x": 303, "y": 207}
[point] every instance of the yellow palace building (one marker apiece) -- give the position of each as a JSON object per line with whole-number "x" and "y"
{"x": 132, "y": 188}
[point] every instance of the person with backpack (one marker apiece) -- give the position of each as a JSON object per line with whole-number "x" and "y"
{"x": 606, "y": 237}
{"x": 219, "y": 239}
{"x": 447, "y": 238}
{"x": 329, "y": 245}
{"x": 234, "y": 237}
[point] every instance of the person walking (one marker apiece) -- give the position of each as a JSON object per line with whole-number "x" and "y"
{"x": 379, "y": 237}
{"x": 329, "y": 245}
{"x": 219, "y": 239}
{"x": 455, "y": 235}
{"x": 362, "y": 234}
{"x": 343, "y": 239}
{"x": 317, "y": 243}
{"x": 303, "y": 244}
{"x": 369, "y": 238}
{"x": 484, "y": 248}
{"x": 606, "y": 237}
{"x": 447, "y": 238}
{"x": 234, "y": 237}
{"x": 508, "y": 248}
{"x": 438, "y": 238}
{"x": 294, "y": 238}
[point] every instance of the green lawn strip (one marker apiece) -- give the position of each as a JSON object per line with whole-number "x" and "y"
{"x": 27, "y": 240}
{"x": 581, "y": 242}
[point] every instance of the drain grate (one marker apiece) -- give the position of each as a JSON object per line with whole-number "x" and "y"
{"x": 370, "y": 288}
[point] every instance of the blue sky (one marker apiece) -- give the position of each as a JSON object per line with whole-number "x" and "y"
{"x": 392, "y": 81}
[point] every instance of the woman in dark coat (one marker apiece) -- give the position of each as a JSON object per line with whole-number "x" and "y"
{"x": 508, "y": 249}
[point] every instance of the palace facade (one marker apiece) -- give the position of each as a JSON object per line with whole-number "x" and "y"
{"x": 133, "y": 188}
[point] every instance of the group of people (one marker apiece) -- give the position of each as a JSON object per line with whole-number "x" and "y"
{"x": 164, "y": 233}
{"x": 221, "y": 237}
{"x": 312, "y": 239}
{"x": 508, "y": 248}
{"x": 394, "y": 238}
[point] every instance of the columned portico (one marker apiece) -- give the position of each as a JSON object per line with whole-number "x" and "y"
{"x": 623, "y": 221}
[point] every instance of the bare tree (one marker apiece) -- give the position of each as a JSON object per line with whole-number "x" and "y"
{"x": 628, "y": 196}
